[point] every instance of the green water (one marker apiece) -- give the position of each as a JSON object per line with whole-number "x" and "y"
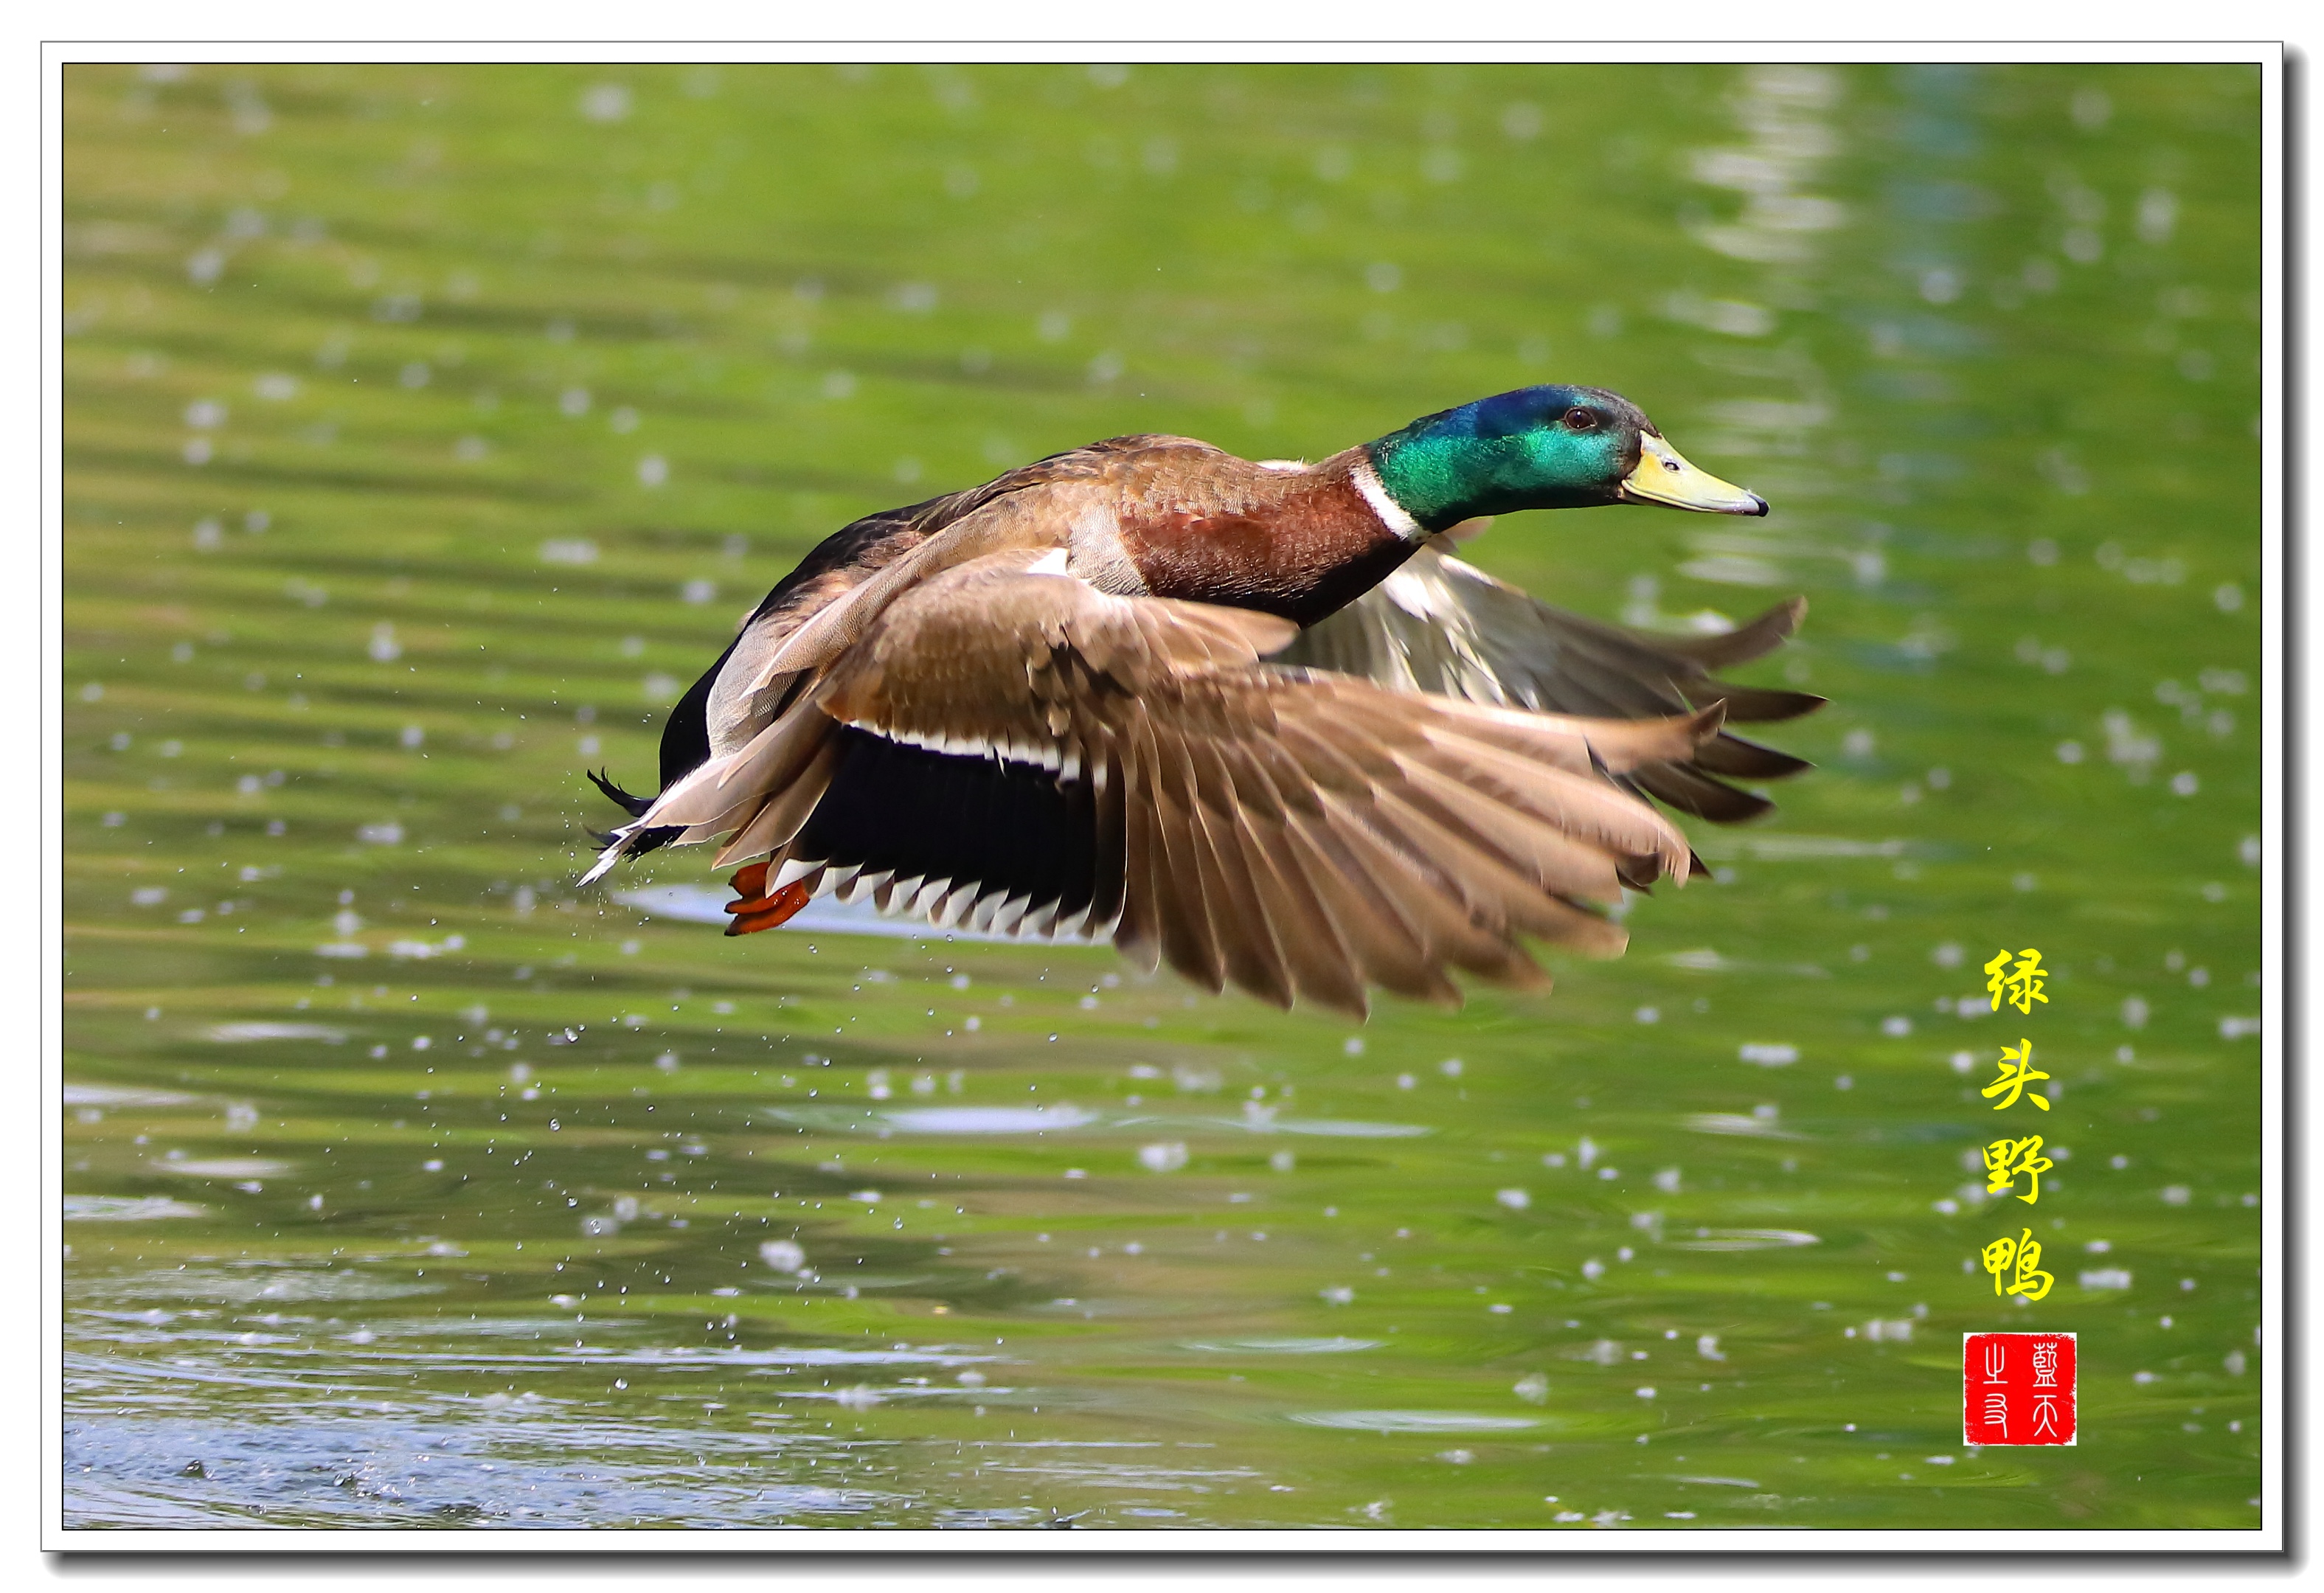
{"x": 426, "y": 430}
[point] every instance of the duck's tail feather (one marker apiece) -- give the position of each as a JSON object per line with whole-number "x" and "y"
{"x": 624, "y": 840}
{"x": 616, "y": 847}
{"x": 635, "y": 806}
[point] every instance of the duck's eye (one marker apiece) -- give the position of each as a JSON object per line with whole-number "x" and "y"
{"x": 1578, "y": 418}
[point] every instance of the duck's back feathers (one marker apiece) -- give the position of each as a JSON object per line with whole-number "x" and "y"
{"x": 1442, "y": 626}
{"x": 720, "y": 711}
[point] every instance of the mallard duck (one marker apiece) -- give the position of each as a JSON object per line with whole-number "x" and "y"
{"x": 1247, "y": 718}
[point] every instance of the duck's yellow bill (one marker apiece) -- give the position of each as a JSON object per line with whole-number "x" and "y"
{"x": 1661, "y": 477}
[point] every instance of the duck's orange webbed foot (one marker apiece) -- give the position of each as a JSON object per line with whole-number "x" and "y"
{"x": 755, "y": 909}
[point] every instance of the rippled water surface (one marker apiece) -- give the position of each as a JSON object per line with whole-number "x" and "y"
{"x": 428, "y": 427}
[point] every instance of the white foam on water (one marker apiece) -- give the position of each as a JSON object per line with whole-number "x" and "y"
{"x": 1744, "y": 1239}
{"x": 256, "y": 1286}
{"x": 232, "y": 1034}
{"x": 1737, "y": 1123}
{"x": 103, "y": 1095}
{"x": 127, "y": 1208}
{"x": 223, "y": 1167}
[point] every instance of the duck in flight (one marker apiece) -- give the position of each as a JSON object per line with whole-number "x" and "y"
{"x": 1247, "y": 718}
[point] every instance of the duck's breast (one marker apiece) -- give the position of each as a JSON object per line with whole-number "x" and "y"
{"x": 1301, "y": 544}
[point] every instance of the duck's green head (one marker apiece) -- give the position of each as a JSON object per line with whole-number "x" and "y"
{"x": 1542, "y": 447}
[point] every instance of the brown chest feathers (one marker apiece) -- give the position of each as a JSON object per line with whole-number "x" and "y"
{"x": 1298, "y": 543}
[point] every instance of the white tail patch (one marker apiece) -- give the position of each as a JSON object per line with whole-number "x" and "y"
{"x": 617, "y": 849}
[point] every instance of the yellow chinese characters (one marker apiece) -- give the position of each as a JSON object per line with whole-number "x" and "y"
{"x": 2016, "y": 1264}
{"x": 2025, "y": 1254}
{"x": 2020, "y": 986}
{"x": 2017, "y": 1071}
{"x": 2005, "y": 1160}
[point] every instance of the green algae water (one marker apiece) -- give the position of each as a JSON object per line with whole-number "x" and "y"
{"x": 428, "y": 429}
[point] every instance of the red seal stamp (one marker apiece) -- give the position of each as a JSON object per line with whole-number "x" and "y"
{"x": 2018, "y": 1388}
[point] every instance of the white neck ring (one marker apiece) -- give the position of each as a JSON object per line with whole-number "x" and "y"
{"x": 1391, "y": 513}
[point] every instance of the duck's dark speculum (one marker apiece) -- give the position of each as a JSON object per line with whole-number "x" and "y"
{"x": 1007, "y": 827}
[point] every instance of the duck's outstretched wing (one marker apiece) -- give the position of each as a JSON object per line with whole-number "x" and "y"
{"x": 1013, "y": 749}
{"x": 1444, "y": 627}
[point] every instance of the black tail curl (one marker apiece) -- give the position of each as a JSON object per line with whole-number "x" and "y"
{"x": 635, "y": 806}
{"x": 644, "y": 840}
